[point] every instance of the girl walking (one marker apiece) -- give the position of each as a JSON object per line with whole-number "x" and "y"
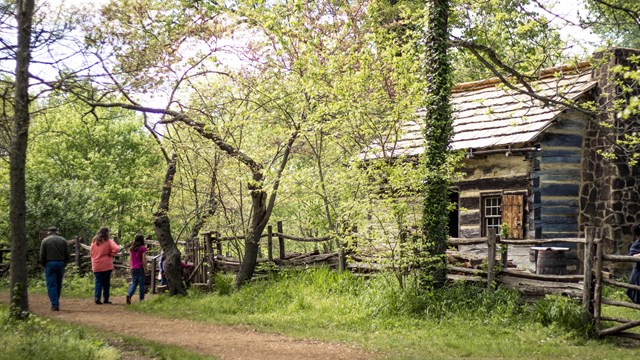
{"x": 138, "y": 265}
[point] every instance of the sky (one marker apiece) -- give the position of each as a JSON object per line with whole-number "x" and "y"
{"x": 569, "y": 11}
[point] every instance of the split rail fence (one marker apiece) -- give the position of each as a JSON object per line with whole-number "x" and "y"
{"x": 206, "y": 255}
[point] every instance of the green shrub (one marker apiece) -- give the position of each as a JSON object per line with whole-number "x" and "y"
{"x": 223, "y": 283}
{"x": 562, "y": 312}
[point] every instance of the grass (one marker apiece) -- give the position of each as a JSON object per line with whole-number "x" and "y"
{"x": 39, "y": 338}
{"x": 458, "y": 321}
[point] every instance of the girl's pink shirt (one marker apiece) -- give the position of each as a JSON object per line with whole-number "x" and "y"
{"x": 102, "y": 255}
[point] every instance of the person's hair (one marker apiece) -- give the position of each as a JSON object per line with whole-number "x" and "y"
{"x": 635, "y": 230}
{"x": 137, "y": 242}
{"x": 101, "y": 236}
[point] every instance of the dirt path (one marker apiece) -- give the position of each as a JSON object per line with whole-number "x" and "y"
{"x": 225, "y": 342}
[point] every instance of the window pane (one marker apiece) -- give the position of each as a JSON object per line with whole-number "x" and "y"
{"x": 492, "y": 213}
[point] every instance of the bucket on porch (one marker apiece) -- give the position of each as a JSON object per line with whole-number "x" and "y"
{"x": 551, "y": 261}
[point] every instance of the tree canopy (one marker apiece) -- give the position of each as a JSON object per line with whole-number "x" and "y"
{"x": 266, "y": 107}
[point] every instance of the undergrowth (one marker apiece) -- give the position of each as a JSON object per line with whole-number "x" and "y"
{"x": 376, "y": 313}
{"x": 39, "y": 338}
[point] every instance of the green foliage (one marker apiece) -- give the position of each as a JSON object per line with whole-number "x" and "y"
{"x": 37, "y": 338}
{"x": 521, "y": 36}
{"x": 223, "y": 283}
{"x": 438, "y": 131}
{"x": 504, "y": 230}
{"x": 84, "y": 172}
{"x": 616, "y": 21}
{"x": 406, "y": 323}
{"x": 564, "y": 313}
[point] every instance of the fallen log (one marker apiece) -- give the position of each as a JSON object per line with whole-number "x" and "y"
{"x": 469, "y": 260}
{"x": 549, "y": 278}
{"x": 537, "y": 288}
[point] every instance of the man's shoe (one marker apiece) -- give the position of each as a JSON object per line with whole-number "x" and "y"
{"x": 98, "y": 302}
{"x": 55, "y": 308}
{"x": 108, "y": 302}
{"x": 128, "y": 300}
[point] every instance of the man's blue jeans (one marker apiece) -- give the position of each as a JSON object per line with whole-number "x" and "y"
{"x": 53, "y": 273}
{"x": 138, "y": 279}
{"x": 103, "y": 285}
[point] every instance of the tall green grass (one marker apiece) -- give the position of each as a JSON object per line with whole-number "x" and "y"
{"x": 460, "y": 320}
{"x": 38, "y": 338}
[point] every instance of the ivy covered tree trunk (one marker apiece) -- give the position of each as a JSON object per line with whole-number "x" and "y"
{"x": 438, "y": 133}
{"x": 162, "y": 226}
{"x": 18, "y": 156}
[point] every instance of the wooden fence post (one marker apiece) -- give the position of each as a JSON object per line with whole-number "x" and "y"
{"x": 218, "y": 244}
{"x": 597, "y": 291}
{"x": 342, "y": 261}
{"x": 210, "y": 256}
{"x": 270, "y": 243}
{"x": 78, "y": 255}
{"x": 504, "y": 254}
{"x": 281, "y": 240}
{"x": 491, "y": 257}
{"x": 153, "y": 274}
{"x": 587, "y": 294}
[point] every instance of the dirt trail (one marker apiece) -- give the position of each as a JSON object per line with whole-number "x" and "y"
{"x": 224, "y": 342}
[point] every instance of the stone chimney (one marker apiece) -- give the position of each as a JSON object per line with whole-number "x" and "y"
{"x": 610, "y": 185}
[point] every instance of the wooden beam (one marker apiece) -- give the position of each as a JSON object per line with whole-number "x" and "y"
{"x": 621, "y": 284}
{"x": 466, "y": 241}
{"x": 619, "y": 328}
{"x": 491, "y": 257}
{"x": 549, "y": 278}
{"x": 587, "y": 295}
{"x": 542, "y": 242}
{"x": 621, "y": 258}
{"x": 606, "y": 318}
{"x": 621, "y": 304}
{"x": 597, "y": 290}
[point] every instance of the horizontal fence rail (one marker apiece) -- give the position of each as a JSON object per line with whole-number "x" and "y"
{"x": 206, "y": 254}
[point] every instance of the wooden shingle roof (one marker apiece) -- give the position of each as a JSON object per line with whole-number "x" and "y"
{"x": 486, "y": 114}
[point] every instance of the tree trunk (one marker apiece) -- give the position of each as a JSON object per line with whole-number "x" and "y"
{"x": 18, "y": 155}
{"x": 252, "y": 241}
{"x": 162, "y": 226}
{"x": 437, "y": 137}
{"x": 208, "y": 210}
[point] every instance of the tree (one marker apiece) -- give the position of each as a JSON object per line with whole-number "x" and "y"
{"x": 438, "y": 132}
{"x": 285, "y": 88}
{"x": 87, "y": 170}
{"x": 618, "y": 21}
{"x": 18, "y": 156}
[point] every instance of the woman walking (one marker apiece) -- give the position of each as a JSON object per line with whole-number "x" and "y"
{"x": 138, "y": 265}
{"x": 103, "y": 249}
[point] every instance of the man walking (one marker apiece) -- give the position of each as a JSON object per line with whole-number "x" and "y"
{"x": 54, "y": 256}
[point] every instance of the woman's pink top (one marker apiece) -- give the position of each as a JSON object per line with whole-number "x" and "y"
{"x": 136, "y": 257}
{"x": 102, "y": 255}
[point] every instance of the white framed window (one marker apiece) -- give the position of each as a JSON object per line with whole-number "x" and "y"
{"x": 491, "y": 213}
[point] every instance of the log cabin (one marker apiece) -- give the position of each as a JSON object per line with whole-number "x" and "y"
{"x": 537, "y": 162}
